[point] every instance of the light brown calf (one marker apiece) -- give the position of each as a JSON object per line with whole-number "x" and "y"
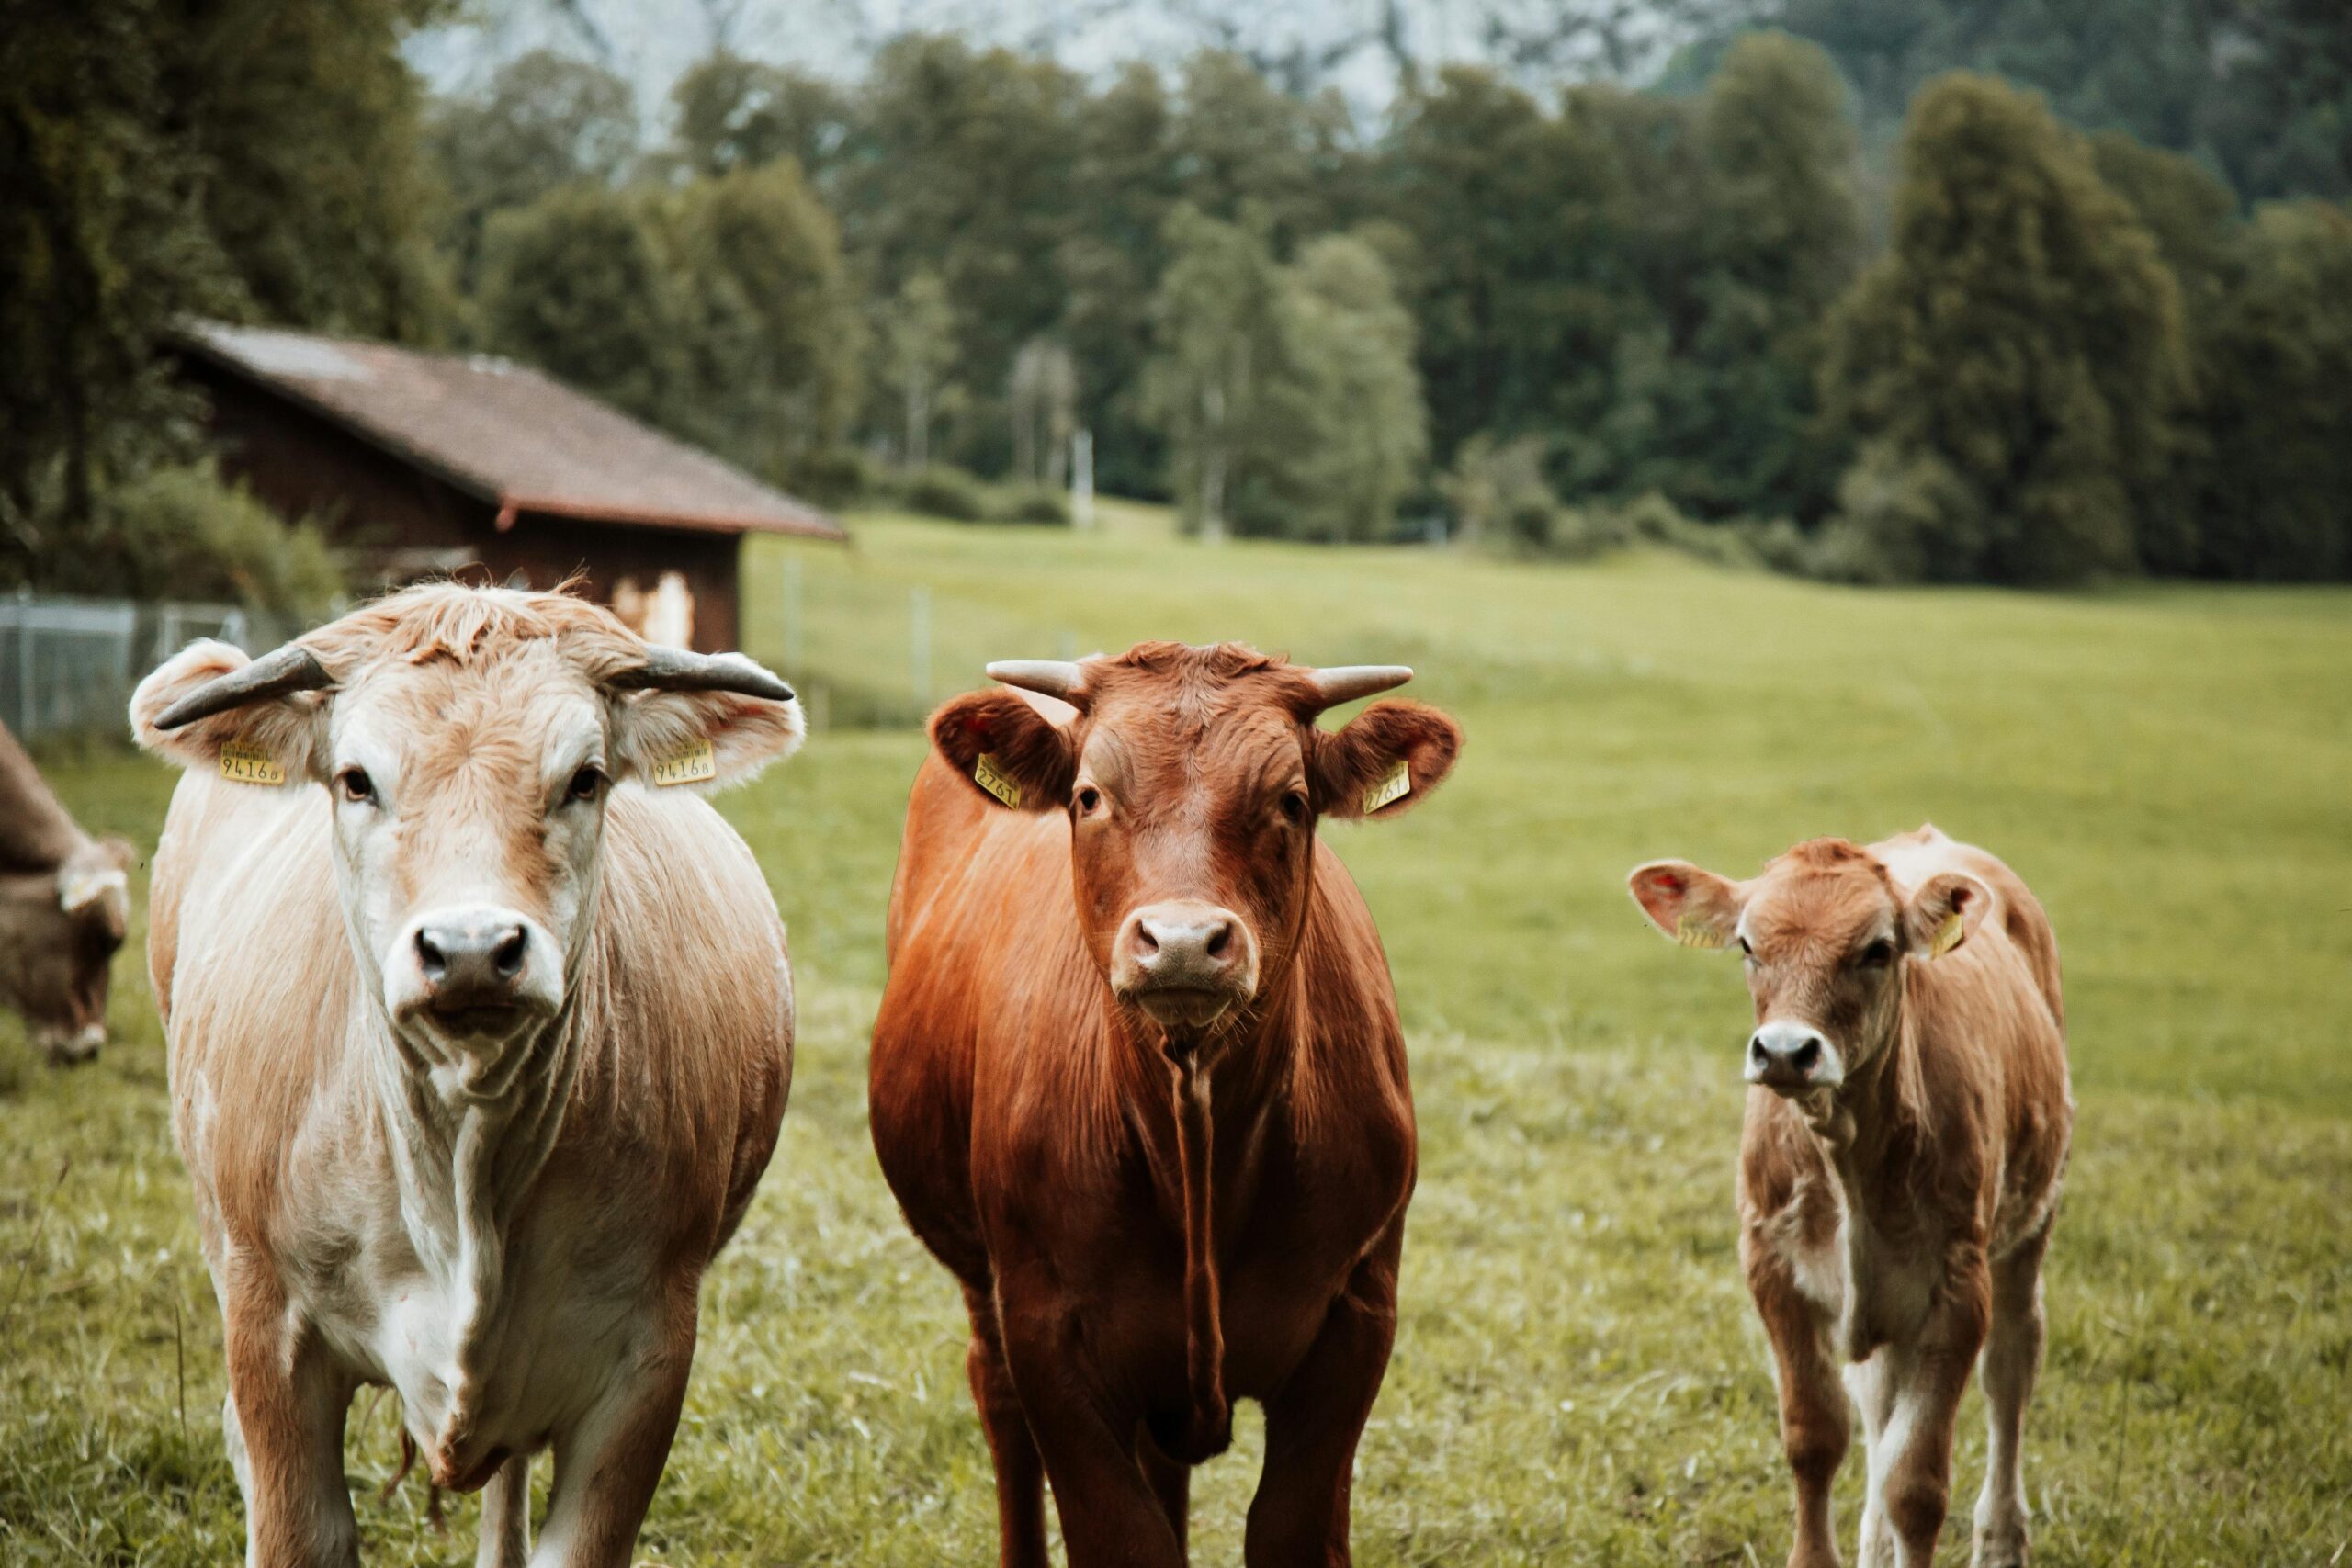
{"x": 481, "y": 1029}
{"x": 1900, "y": 1167}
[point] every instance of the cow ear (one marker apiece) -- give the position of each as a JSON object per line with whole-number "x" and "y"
{"x": 1944, "y": 913}
{"x": 1695, "y": 906}
{"x": 710, "y": 739}
{"x": 1006, "y": 749}
{"x": 1383, "y": 761}
{"x": 271, "y": 739}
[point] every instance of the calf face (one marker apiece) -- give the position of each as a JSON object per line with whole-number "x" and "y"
{"x": 59, "y": 933}
{"x": 1193, "y": 778}
{"x": 468, "y": 741}
{"x": 1823, "y": 934}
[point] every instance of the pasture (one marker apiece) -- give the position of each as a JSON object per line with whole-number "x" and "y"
{"x": 1577, "y": 1377}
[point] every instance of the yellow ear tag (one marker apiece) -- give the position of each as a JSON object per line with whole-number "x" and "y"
{"x": 1691, "y": 931}
{"x": 241, "y": 763}
{"x": 1395, "y": 784}
{"x": 985, "y": 774}
{"x": 1948, "y": 935}
{"x": 690, "y": 763}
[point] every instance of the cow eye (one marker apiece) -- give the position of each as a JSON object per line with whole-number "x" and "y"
{"x": 586, "y": 782}
{"x": 1744, "y": 950}
{"x": 1088, "y": 797}
{"x": 1293, "y": 807}
{"x": 1877, "y": 955}
{"x": 357, "y": 787}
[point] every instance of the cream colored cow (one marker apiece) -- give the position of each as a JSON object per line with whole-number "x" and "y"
{"x": 480, "y": 1027}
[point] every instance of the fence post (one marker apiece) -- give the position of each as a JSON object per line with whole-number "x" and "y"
{"x": 1082, "y": 479}
{"x": 919, "y": 640}
{"x": 24, "y": 664}
{"x": 792, "y": 612}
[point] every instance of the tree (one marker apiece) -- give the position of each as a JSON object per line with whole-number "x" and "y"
{"x": 731, "y": 113}
{"x": 577, "y": 284}
{"x": 305, "y": 120}
{"x": 99, "y": 250}
{"x": 919, "y": 336}
{"x": 544, "y": 120}
{"x": 1349, "y": 434}
{"x": 1041, "y": 399}
{"x": 1783, "y": 239}
{"x": 2275, "y": 360}
{"x": 1213, "y": 312}
{"x": 2021, "y": 342}
{"x": 772, "y": 326}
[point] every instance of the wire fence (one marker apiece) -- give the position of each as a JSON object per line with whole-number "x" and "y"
{"x": 69, "y": 665}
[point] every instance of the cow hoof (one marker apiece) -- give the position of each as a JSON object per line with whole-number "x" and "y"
{"x": 71, "y": 1054}
{"x": 1999, "y": 1549}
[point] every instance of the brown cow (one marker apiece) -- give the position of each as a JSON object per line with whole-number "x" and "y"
{"x": 64, "y": 906}
{"x": 481, "y": 1027}
{"x": 1137, "y": 1081}
{"x": 1900, "y": 1168}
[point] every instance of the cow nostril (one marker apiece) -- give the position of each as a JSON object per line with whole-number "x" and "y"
{"x": 1220, "y": 940}
{"x": 508, "y": 955}
{"x": 1145, "y": 944}
{"x": 1756, "y": 1049}
{"x": 1805, "y": 1057}
{"x": 430, "y": 958}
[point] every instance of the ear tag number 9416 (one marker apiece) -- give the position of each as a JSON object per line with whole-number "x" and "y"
{"x": 690, "y": 763}
{"x": 241, "y": 763}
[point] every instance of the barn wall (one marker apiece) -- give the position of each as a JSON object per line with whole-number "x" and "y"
{"x": 406, "y": 523}
{"x": 388, "y": 511}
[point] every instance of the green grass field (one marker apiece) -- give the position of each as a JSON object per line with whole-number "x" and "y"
{"x": 1577, "y": 1379}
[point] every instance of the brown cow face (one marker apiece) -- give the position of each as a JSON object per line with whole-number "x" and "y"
{"x": 1192, "y": 779}
{"x": 468, "y": 750}
{"x": 1823, "y": 935}
{"x": 59, "y": 933}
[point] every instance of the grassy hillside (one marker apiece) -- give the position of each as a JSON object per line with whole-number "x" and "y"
{"x": 1577, "y": 1378}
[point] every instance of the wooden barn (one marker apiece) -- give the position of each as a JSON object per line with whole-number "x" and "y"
{"x": 429, "y": 464}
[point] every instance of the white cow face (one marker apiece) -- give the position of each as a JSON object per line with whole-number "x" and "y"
{"x": 469, "y": 742}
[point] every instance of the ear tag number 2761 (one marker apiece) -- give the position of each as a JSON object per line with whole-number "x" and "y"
{"x": 986, "y": 774}
{"x": 1393, "y": 785}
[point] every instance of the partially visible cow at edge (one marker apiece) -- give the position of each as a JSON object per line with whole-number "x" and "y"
{"x": 64, "y": 906}
{"x": 1137, "y": 1081}
{"x": 1900, "y": 1168}
{"x": 480, "y": 1042}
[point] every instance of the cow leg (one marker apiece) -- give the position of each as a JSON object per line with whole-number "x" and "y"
{"x": 1816, "y": 1424}
{"x": 1912, "y": 1454}
{"x": 1171, "y": 1482}
{"x": 1020, "y": 1472}
{"x": 2012, "y": 1360}
{"x": 284, "y": 1418}
{"x": 607, "y": 1466}
{"x": 506, "y": 1517}
{"x": 1300, "y": 1515}
{"x": 1110, "y": 1517}
{"x": 1873, "y": 1384}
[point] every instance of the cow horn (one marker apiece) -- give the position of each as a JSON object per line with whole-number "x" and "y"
{"x": 274, "y": 674}
{"x": 675, "y": 669}
{"x": 1346, "y": 683}
{"x": 1051, "y": 677}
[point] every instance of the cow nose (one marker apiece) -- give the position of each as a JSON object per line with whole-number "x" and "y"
{"x": 1185, "y": 962}
{"x": 470, "y": 963}
{"x": 1790, "y": 1057}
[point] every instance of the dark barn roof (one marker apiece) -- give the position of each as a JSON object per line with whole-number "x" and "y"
{"x": 517, "y": 439}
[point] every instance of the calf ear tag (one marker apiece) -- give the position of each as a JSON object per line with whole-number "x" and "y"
{"x": 986, "y": 774}
{"x": 1695, "y": 930}
{"x": 691, "y": 764}
{"x": 241, "y": 763}
{"x": 1948, "y": 935}
{"x": 1393, "y": 785}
